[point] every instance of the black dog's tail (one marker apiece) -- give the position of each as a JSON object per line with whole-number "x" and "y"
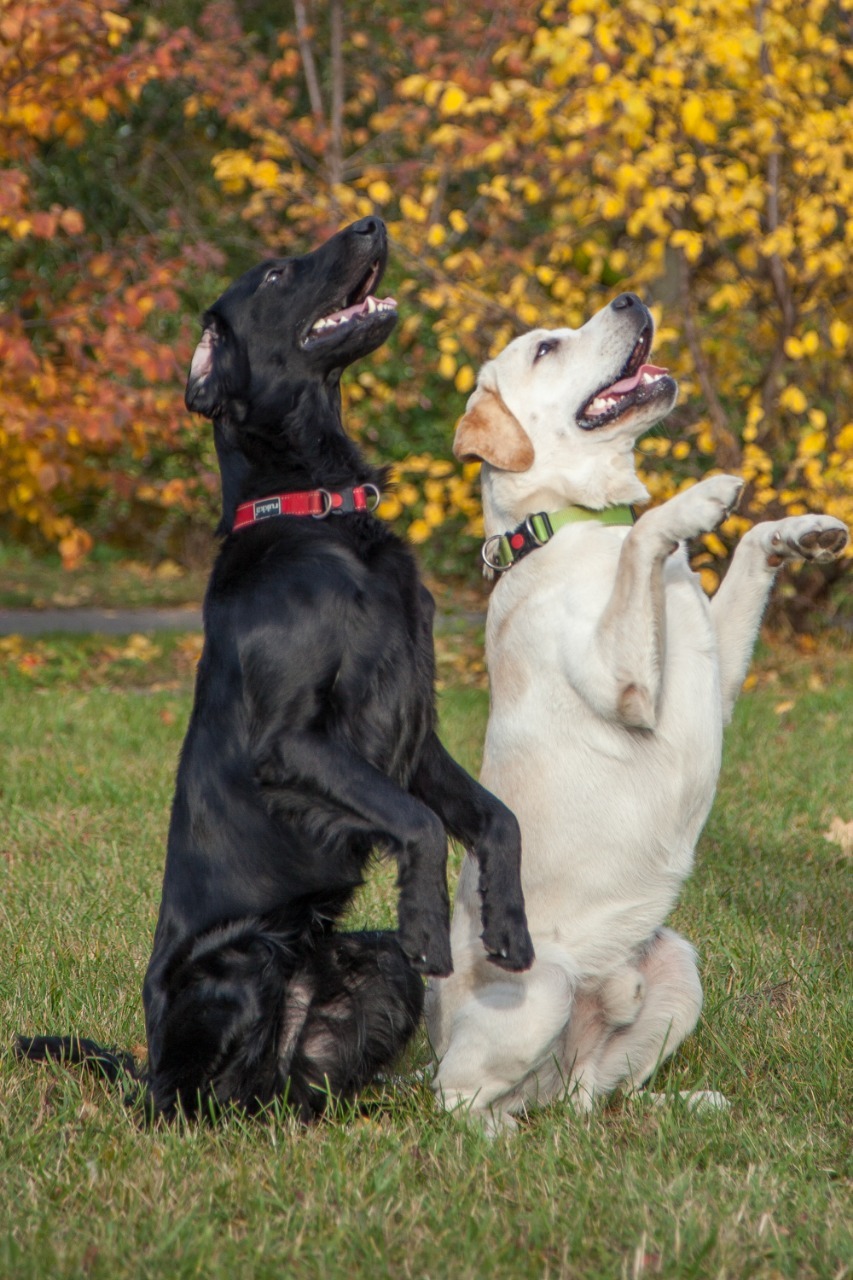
{"x": 110, "y": 1064}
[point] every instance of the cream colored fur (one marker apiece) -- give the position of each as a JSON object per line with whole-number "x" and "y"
{"x": 612, "y": 676}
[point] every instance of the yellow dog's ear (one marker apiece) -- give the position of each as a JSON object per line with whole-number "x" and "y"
{"x": 490, "y": 432}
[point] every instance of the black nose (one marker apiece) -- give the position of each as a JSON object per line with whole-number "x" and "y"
{"x": 367, "y": 226}
{"x": 625, "y": 300}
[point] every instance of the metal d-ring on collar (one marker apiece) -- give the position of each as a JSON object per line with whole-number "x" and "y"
{"x": 502, "y": 550}
{"x": 363, "y": 497}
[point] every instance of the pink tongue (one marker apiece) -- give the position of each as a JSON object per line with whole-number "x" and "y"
{"x": 628, "y": 384}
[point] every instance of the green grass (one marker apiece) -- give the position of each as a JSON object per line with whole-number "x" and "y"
{"x": 393, "y": 1188}
{"x": 106, "y": 580}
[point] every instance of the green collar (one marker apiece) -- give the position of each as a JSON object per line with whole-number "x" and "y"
{"x": 502, "y": 550}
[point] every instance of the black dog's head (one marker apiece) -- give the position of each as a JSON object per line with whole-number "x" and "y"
{"x": 290, "y": 323}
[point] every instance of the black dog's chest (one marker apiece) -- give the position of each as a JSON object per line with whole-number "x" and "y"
{"x": 381, "y": 700}
{"x": 341, "y": 643}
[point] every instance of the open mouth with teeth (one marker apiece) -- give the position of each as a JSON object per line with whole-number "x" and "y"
{"x": 638, "y": 384}
{"x": 359, "y": 307}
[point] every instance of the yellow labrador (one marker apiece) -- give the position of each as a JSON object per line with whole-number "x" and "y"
{"x": 612, "y": 676}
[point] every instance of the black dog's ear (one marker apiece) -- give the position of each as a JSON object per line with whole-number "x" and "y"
{"x": 214, "y": 377}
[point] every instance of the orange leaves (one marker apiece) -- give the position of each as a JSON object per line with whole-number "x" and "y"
{"x": 79, "y": 412}
{"x": 530, "y": 164}
{"x": 74, "y": 547}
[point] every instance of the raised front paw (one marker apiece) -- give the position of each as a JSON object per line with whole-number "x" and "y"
{"x": 425, "y": 938}
{"x": 811, "y": 537}
{"x": 507, "y": 940}
{"x": 698, "y": 509}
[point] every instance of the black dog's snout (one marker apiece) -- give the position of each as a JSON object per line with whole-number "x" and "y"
{"x": 369, "y": 226}
{"x": 625, "y": 300}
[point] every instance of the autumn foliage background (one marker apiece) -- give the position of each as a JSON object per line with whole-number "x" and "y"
{"x": 530, "y": 165}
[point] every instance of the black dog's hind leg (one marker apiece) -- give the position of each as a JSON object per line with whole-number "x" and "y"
{"x": 308, "y": 764}
{"x": 360, "y": 1002}
{"x": 214, "y": 1039}
{"x": 491, "y": 833}
{"x": 243, "y": 1027}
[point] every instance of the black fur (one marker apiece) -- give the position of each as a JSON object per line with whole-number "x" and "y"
{"x": 312, "y": 740}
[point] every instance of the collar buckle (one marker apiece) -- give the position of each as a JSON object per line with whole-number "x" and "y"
{"x": 539, "y": 528}
{"x": 544, "y": 533}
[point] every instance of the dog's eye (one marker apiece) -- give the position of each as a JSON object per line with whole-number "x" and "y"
{"x": 545, "y": 348}
{"x": 274, "y": 273}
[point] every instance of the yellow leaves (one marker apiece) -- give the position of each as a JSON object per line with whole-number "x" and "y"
{"x": 231, "y": 169}
{"x": 265, "y": 175}
{"x": 452, "y": 100}
{"x": 793, "y": 398}
{"x": 390, "y": 507}
{"x": 446, "y": 365}
{"x": 690, "y": 242}
{"x": 695, "y": 121}
{"x": 807, "y": 345}
{"x": 844, "y": 439}
{"x": 96, "y": 109}
{"x": 811, "y": 444}
{"x": 379, "y": 191}
{"x": 839, "y": 336}
{"x": 638, "y": 116}
{"x": 117, "y": 27}
{"x": 597, "y": 141}
{"x": 235, "y": 170}
{"x": 779, "y": 242}
{"x": 412, "y": 86}
{"x": 412, "y": 210}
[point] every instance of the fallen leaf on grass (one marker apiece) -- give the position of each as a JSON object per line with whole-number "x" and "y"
{"x": 168, "y": 571}
{"x": 782, "y": 707}
{"x": 140, "y": 649}
{"x": 841, "y": 832}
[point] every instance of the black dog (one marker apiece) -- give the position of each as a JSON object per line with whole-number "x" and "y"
{"x": 312, "y": 740}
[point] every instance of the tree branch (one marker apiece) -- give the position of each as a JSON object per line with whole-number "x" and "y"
{"x": 775, "y": 266}
{"x": 306, "y": 52}
{"x": 337, "y": 112}
{"x": 726, "y": 445}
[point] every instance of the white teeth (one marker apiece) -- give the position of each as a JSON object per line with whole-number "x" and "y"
{"x": 370, "y": 306}
{"x": 602, "y": 403}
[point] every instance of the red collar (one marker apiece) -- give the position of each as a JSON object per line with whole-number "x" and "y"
{"x": 318, "y": 503}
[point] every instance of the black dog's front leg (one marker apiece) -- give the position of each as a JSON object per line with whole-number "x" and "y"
{"x": 491, "y": 833}
{"x": 371, "y": 802}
